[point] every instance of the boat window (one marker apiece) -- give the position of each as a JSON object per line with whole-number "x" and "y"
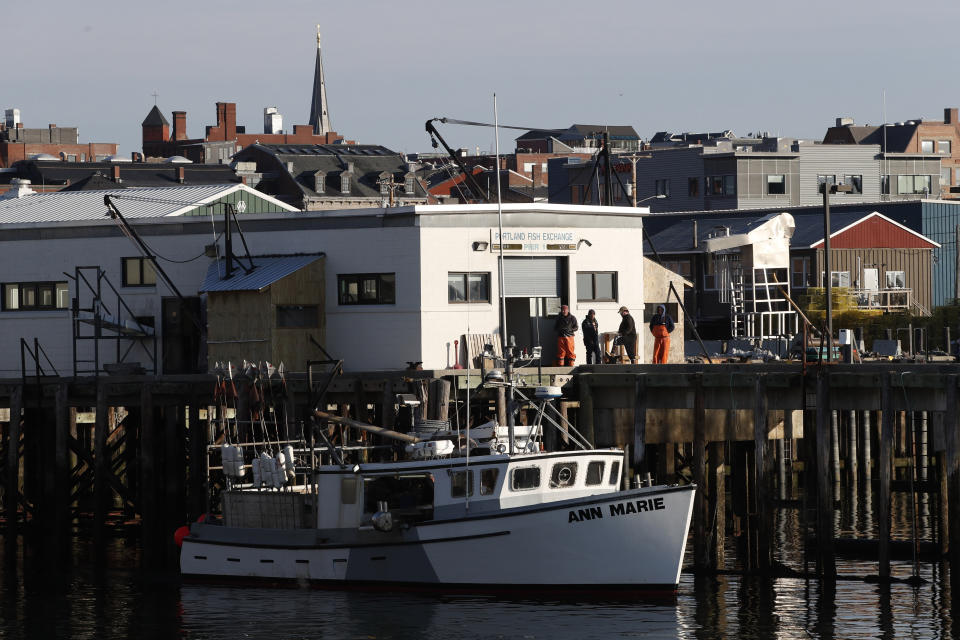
{"x": 408, "y": 497}
{"x": 525, "y": 478}
{"x": 348, "y": 490}
{"x": 595, "y": 472}
{"x": 615, "y": 472}
{"x": 461, "y": 484}
{"x": 564, "y": 474}
{"x": 488, "y": 481}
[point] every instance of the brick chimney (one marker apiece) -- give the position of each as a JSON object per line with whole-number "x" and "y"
{"x": 181, "y": 175}
{"x": 179, "y": 125}
{"x": 116, "y": 173}
{"x": 950, "y": 116}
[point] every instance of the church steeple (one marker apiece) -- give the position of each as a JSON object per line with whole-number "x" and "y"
{"x": 319, "y": 118}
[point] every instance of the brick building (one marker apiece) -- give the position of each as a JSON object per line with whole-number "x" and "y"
{"x": 940, "y": 137}
{"x": 63, "y": 143}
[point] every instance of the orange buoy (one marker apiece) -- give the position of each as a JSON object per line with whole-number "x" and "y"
{"x": 180, "y": 534}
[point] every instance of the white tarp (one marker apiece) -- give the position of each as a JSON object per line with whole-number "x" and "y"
{"x": 770, "y": 241}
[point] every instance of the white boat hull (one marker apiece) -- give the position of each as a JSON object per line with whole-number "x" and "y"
{"x": 628, "y": 539}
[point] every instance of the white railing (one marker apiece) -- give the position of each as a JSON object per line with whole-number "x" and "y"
{"x": 882, "y": 299}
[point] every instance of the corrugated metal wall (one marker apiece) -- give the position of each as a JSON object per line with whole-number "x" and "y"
{"x": 916, "y": 265}
{"x": 940, "y": 221}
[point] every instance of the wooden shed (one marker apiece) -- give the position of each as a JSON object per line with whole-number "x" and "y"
{"x": 266, "y": 313}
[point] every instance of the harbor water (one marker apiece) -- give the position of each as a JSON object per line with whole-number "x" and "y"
{"x": 100, "y": 594}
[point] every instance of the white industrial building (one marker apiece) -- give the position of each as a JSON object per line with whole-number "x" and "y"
{"x": 399, "y": 285}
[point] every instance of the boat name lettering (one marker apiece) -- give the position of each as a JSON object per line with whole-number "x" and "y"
{"x": 618, "y": 509}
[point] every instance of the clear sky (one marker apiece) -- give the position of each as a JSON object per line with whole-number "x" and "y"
{"x": 684, "y": 65}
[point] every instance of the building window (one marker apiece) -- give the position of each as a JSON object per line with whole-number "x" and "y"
{"x": 945, "y": 178}
{"x": 943, "y": 146}
{"x": 298, "y": 316}
{"x": 800, "y": 276}
{"x": 525, "y": 479}
{"x": 367, "y": 288}
{"x": 408, "y": 184}
{"x": 461, "y": 484}
{"x": 776, "y": 184}
{"x": 693, "y": 187}
{"x": 895, "y": 280}
{"x": 384, "y": 185}
{"x": 468, "y": 287}
{"x": 345, "y": 182}
{"x": 31, "y": 296}
{"x": 913, "y": 185}
{"x": 721, "y": 185}
{"x": 855, "y": 183}
{"x": 139, "y": 272}
{"x": 662, "y": 187}
{"x": 825, "y": 179}
{"x": 596, "y": 286}
{"x": 926, "y": 146}
{"x": 885, "y": 184}
{"x": 839, "y": 278}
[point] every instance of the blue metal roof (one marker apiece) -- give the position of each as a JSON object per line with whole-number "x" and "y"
{"x": 678, "y": 237}
{"x": 267, "y": 270}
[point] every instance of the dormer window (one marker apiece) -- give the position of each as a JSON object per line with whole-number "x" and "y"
{"x": 345, "y": 182}
{"x": 384, "y": 180}
{"x": 319, "y": 181}
{"x": 408, "y": 183}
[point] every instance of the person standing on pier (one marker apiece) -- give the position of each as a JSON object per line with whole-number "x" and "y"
{"x": 628, "y": 334}
{"x": 591, "y": 337}
{"x": 566, "y": 327}
{"x": 661, "y": 326}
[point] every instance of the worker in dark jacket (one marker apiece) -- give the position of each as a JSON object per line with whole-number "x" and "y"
{"x": 591, "y": 337}
{"x": 628, "y": 334}
{"x": 661, "y": 326}
{"x": 566, "y": 327}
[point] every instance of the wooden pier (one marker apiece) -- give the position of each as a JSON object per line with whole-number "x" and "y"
{"x": 127, "y": 454}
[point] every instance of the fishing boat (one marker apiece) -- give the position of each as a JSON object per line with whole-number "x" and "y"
{"x": 484, "y": 510}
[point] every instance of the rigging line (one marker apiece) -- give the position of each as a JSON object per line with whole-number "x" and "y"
{"x": 154, "y": 251}
{"x": 502, "y": 126}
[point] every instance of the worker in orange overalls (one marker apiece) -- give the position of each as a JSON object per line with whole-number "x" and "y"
{"x": 661, "y": 326}
{"x": 566, "y": 327}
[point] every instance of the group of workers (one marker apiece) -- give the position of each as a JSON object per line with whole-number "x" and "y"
{"x": 661, "y": 325}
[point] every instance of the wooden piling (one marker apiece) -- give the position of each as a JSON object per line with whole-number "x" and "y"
{"x": 826, "y": 563}
{"x": 101, "y": 488}
{"x": 12, "y": 480}
{"x": 883, "y": 470}
{"x": 701, "y": 518}
{"x": 852, "y": 462}
{"x": 640, "y": 426}
{"x": 61, "y": 464}
{"x": 585, "y": 412}
{"x": 763, "y": 514}
{"x": 952, "y": 469}
{"x": 199, "y": 439}
{"x": 866, "y": 469}
{"x": 717, "y": 531}
{"x": 151, "y": 521}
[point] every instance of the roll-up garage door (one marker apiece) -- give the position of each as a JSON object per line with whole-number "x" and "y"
{"x": 531, "y": 277}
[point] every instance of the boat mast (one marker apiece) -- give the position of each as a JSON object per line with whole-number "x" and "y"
{"x": 507, "y": 350}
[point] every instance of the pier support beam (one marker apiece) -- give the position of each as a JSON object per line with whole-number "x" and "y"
{"x": 12, "y": 481}
{"x": 718, "y": 517}
{"x": 762, "y": 512}
{"x": 952, "y": 468}
{"x": 884, "y": 464}
{"x": 826, "y": 563}
{"x": 701, "y": 516}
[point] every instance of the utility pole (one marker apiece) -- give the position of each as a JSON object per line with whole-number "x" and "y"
{"x": 633, "y": 176}
{"x": 608, "y": 177}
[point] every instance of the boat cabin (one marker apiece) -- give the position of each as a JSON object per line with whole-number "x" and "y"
{"x": 443, "y": 489}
